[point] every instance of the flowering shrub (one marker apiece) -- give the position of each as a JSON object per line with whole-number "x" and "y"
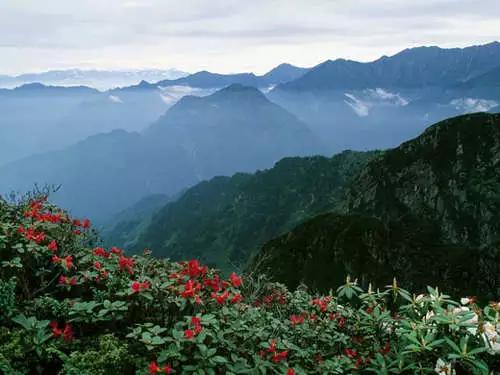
{"x": 68, "y": 306}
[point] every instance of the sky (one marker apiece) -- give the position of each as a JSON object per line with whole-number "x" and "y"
{"x": 228, "y": 35}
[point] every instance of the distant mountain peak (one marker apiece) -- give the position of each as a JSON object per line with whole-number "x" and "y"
{"x": 238, "y": 87}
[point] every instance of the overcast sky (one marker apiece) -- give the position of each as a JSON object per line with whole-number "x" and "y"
{"x": 230, "y": 35}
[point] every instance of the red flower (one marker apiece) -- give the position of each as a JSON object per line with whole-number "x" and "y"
{"x": 137, "y": 286}
{"x": 195, "y": 321}
{"x": 116, "y": 250}
{"x": 55, "y": 329}
{"x": 213, "y": 283}
{"x": 272, "y": 347}
{"x": 277, "y": 357}
{"x": 100, "y": 252}
{"x": 236, "y": 298}
{"x": 235, "y": 280}
{"x": 66, "y": 281}
{"x": 193, "y": 269}
{"x": 153, "y": 368}
{"x": 56, "y": 259}
{"x": 86, "y": 224}
{"x": 221, "y": 298}
{"x": 351, "y": 353}
{"x": 69, "y": 262}
{"x": 322, "y": 303}
{"x": 386, "y": 349}
{"x": 190, "y": 289}
{"x": 52, "y": 246}
{"x": 97, "y": 265}
{"x": 126, "y": 264}
{"x": 296, "y": 319}
{"x": 32, "y": 235}
{"x": 167, "y": 369}
{"x": 290, "y": 371}
{"x": 68, "y": 333}
{"x": 188, "y": 334}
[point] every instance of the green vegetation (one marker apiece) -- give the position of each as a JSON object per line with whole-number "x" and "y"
{"x": 226, "y": 220}
{"x": 67, "y": 307}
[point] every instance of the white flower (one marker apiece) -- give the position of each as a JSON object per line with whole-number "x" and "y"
{"x": 443, "y": 368}
{"x": 491, "y": 337}
{"x": 429, "y": 315}
{"x": 473, "y": 321}
{"x": 464, "y": 301}
{"x": 387, "y": 327}
{"x": 419, "y": 299}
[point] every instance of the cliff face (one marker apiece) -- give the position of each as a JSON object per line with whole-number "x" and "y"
{"x": 426, "y": 212}
{"x": 449, "y": 177}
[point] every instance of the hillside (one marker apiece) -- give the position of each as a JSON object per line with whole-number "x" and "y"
{"x": 123, "y": 228}
{"x": 225, "y": 220}
{"x": 425, "y": 212}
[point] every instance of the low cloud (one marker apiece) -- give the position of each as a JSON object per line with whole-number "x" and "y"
{"x": 363, "y": 101}
{"x": 115, "y": 99}
{"x": 468, "y": 105}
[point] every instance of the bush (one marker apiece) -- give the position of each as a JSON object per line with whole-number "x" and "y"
{"x": 70, "y": 307}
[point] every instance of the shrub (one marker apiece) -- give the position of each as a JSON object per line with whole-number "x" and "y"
{"x": 70, "y": 307}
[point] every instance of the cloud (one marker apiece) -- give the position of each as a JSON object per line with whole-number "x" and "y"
{"x": 386, "y": 96}
{"x": 171, "y": 94}
{"x": 229, "y": 35}
{"x": 361, "y": 107}
{"x": 365, "y": 100}
{"x": 115, "y": 99}
{"x": 468, "y": 105}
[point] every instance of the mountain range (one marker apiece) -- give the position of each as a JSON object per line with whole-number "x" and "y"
{"x": 98, "y": 79}
{"x": 234, "y": 129}
{"x": 333, "y": 106}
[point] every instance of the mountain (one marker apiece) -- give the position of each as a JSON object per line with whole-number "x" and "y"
{"x": 412, "y": 68}
{"x": 426, "y": 212}
{"x": 37, "y": 118}
{"x": 99, "y": 79}
{"x": 283, "y": 73}
{"x": 39, "y": 89}
{"x": 235, "y": 129}
{"x": 280, "y": 74}
{"x": 225, "y": 220}
{"x": 237, "y": 121}
{"x": 382, "y": 103}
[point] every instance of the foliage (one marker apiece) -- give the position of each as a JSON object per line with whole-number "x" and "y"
{"x": 81, "y": 309}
